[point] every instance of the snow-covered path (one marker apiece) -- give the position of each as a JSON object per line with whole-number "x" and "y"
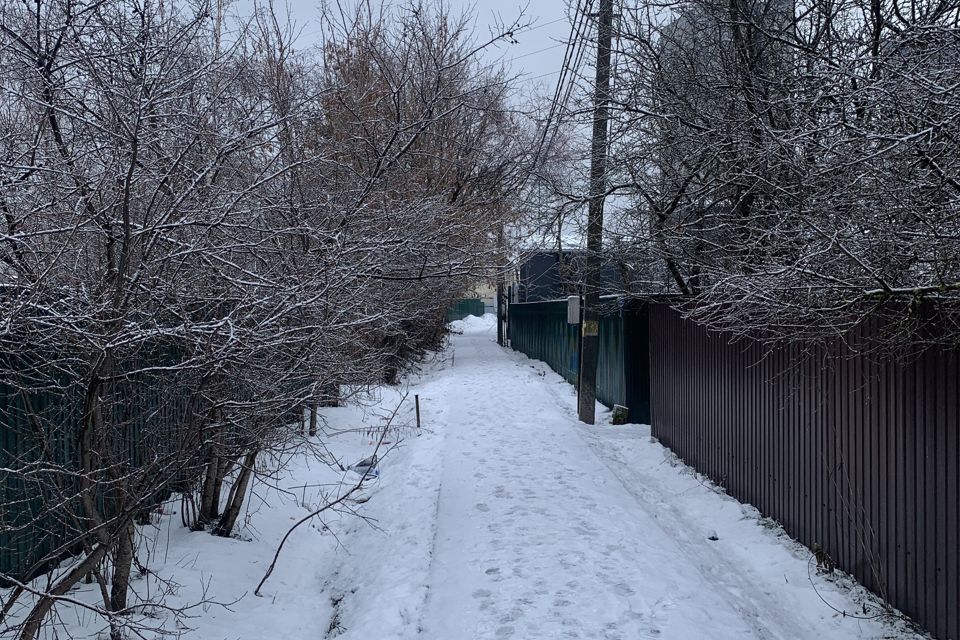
{"x": 538, "y": 538}
{"x": 548, "y": 529}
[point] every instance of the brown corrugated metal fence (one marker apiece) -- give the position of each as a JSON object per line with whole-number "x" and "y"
{"x": 854, "y": 453}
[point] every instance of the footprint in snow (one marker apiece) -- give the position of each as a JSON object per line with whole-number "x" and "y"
{"x": 493, "y": 571}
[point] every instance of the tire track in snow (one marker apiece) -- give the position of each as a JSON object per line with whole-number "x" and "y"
{"x": 766, "y": 615}
{"x": 435, "y": 527}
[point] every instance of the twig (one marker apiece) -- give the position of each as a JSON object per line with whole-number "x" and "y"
{"x": 327, "y": 506}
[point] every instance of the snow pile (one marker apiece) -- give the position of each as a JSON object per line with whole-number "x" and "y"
{"x": 475, "y": 324}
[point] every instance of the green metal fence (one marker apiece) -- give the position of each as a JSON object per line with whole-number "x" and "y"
{"x": 540, "y": 330}
{"x": 466, "y": 307}
{"x": 28, "y": 410}
{"x": 41, "y": 417}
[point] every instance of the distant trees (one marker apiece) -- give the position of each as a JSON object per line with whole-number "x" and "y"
{"x": 793, "y": 166}
{"x": 205, "y": 229}
{"x": 438, "y": 152}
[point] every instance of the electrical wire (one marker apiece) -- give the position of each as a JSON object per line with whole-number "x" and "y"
{"x": 581, "y": 37}
{"x": 572, "y": 58}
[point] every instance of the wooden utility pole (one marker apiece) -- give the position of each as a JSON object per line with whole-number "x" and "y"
{"x": 590, "y": 326}
{"x": 501, "y": 308}
{"x": 501, "y": 315}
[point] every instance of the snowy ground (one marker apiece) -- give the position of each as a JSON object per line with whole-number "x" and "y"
{"x": 503, "y": 518}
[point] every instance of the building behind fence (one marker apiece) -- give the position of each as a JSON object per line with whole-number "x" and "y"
{"x": 853, "y": 454}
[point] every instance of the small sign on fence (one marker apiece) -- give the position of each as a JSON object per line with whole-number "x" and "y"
{"x": 573, "y": 310}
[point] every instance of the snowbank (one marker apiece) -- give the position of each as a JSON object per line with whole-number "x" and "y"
{"x": 475, "y": 324}
{"x": 334, "y": 570}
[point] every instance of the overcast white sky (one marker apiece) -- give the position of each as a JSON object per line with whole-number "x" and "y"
{"x": 539, "y": 50}
{"x": 536, "y": 56}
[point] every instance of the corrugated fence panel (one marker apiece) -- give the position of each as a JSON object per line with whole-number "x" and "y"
{"x": 636, "y": 361}
{"x": 30, "y": 529}
{"x": 540, "y": 330}
{"x": 611, "y": 382}
{"x": 466, "y": 307}
{"x": 850, "y": 453}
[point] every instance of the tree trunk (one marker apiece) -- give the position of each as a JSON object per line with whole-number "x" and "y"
{"x": 210, "y": 496}
{"x": 122, "y": 561}
{"x": 228, "y": 520}
{"x": 330, "y": 396}
{"x": 223, "y": 470}
{"x": 31, "y": 626}
{"x": 313, "y": 418}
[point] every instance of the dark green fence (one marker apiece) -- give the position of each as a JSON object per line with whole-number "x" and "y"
{"x": 540, "y": 330}
{"x": 466, "y": 307}
{"x": 41, "y": 418}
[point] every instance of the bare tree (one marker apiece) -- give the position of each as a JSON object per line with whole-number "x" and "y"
{"x": 205, "y": 230}
{"x": 793, "y": 166}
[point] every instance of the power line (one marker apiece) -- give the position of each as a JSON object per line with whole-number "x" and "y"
{"x": 531, "y": 53}
{"x": 542, "y": 25}
{"x": 574, "y": 42}
{"x": 520, "y": 57}
{"x": 541, "y": 75}
{"x": 581, "y": 38}
{"x": 568, "y": 57}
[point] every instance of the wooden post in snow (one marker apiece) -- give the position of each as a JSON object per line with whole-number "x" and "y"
{"x": 416, "y": 401}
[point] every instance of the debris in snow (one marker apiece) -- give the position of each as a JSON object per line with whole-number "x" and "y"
{"x": 367, "y": 467}
{"x": 825, "y": 563}
{"x": 713, "y": 536}
{"x": 619, "y": 414}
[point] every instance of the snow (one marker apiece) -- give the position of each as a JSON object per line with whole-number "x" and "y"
{"x": 475, "y": 324}
{"x": 502, "y": 517}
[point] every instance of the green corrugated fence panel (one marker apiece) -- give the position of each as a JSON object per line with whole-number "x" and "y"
{"x": 540, "y": 330}
{"x": 466, "y": 307}
{"x": 141, "y": 406}
{"x": 24, "y": 503}
{"x": 611, "y": 387}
